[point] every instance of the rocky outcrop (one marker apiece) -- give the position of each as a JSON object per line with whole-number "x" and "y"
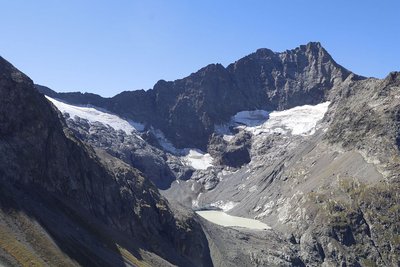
{"x": 89, "y": 207}
{"x": 235, "y": 153}
{"x": 186, "y": 110}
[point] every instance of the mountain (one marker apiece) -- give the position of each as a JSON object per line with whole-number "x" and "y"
{"x": 63, "y": 203}
{"x": 290, "y": 141}
{"x": 187, "y": 109}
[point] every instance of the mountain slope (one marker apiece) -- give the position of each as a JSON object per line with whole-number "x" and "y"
{"x": 63, "y": 203}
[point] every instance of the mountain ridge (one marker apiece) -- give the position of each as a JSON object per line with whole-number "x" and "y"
{"x": 193, "y": 105}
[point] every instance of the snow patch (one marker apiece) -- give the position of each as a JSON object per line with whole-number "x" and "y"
{"x": 195, "y": 202}
{"x": 93, "y": 114}
{"x": 224, "y": 205}
{"x": 228, "y": 171}
{"x": 164, "y": 142}
{"x": 198, "y": 159}
{"x": 301, "y": 120}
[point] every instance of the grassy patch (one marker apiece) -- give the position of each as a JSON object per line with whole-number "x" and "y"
{"x": 19, "y": 251}
{"x": 132, "y": 259}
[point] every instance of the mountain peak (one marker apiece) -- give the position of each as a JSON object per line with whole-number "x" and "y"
{"x": 313, "y": 48}
{"x": 264, "y": 52}
{"x": 314, "y": 45}
{"x": 393, "y": 77}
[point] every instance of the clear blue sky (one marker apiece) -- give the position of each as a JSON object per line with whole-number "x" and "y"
{"x": 109, "y": 46}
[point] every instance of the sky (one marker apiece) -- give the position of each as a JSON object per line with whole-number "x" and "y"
{"x": 106, "y": 47}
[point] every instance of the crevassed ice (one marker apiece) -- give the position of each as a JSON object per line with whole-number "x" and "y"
{"x": 93, "y": 114}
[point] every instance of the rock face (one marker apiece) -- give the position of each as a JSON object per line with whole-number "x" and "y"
{"x": 233, "y": 154}
{"x": 186, "y": 110}
{"x": 63, "y": 203}
{"x": 367, "y": 119}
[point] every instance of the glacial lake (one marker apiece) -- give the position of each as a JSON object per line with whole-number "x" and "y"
{"x": 223, "y": 219}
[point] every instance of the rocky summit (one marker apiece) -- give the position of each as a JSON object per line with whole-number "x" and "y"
{"x": 278, "y": 159}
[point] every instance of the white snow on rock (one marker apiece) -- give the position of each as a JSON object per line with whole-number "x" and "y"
{"x": 93, "y": 114}
{"x": 301, "y": 120}
{"x": 198, "y": 159}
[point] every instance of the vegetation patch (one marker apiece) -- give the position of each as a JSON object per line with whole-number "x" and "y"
{"x": 19, "y": 251}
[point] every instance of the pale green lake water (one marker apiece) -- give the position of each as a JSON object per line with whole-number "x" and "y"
{"x": 221, "y": 218}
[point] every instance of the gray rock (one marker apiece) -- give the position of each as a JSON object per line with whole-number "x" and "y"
{"x": 234, "y": 153}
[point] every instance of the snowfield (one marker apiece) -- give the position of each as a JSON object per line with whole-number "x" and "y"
{"x": 93, "y": 114}
{"x": 301, "y": 120}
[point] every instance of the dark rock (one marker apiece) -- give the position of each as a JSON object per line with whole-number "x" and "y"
{"x": 235, "y": 153}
